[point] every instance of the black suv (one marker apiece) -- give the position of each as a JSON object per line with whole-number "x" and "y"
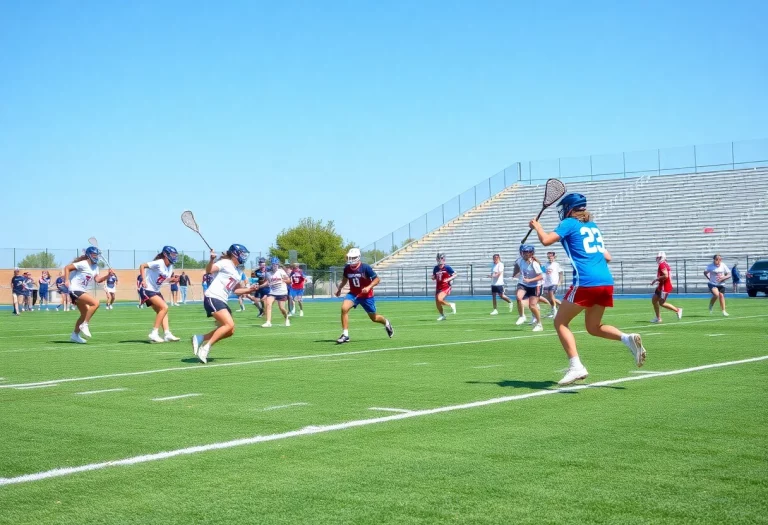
{"x": 757, "y": 278}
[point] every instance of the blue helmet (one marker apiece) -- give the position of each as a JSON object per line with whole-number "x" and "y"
{"x": 171, "y": 253}
{"x": 527, "y": 248}
{"x": 93, "y": 253}
{"x": 239, "y": 251}
{"x": 262, "y": 260}
{"x": 572, "y": 201}
{"x": 274, "y": 261}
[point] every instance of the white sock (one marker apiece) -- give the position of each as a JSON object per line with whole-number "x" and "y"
{"x": 575, "y": 362}
{"x": 154, "y": 330}
{"x": 345, "y": 332}
{"x": 625, "y": 338}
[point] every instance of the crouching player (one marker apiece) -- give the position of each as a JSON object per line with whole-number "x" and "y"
{"x": 362, "y": 280}
{"x": 663, "y": 289}
{"x": 226, "y": 277}
{"x": 592, "y": 288}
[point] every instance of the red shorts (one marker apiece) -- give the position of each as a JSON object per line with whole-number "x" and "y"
{"x": 587, "y": 296}
{"x": 446, "y": 291}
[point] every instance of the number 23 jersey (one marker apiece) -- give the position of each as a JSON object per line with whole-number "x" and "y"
{"x": 224, "y": 281}
{"x": 583, "y": 243}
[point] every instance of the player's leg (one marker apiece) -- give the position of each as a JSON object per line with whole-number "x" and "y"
{"x": 593, "y": 321}
{"x": 281, "y": 304}
{"x": 225, "y": 327}
{"x": 87, "y": 305}
{"x": 533, "y": 304}
{"x": 715, "y": 297}
{"x": 346, "y": 306}
{"x": 300, "y": 300}
{"x": 439, "y": 304}
{"x": 16, "y": 304}
{"x": 493, "y": 298}
{"x": 576, "y": 370}
{"x": 722, "y": 301}
{"x": 520, "y": 295}
{"x": 158, "y": 304}
{"x": 268, "y": 310}
{"x": 369, "y": 305}
{"x": 656, "y": 311}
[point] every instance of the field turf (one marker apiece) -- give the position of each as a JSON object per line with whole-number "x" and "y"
{"x": 452, "y": 422}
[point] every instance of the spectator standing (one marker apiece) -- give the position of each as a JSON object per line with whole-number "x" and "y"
{"x": 44, "y": 283}
{"x": 183, "y": 283}
{"x": 32, "y": 290}
{"x": 736, "y": 276}
{"x": 174, "y": 290}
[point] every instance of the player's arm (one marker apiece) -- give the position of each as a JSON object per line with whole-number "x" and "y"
{"x": 452, "y": 276}
{"x": 545, "y": 238}
{"x": 725, "y": 277}
{"x": 101, "y": 278}
{"x": 515, "y": 270}
{"x": 68, "y": 268}
{"x": 210, "y": 265}
{"x": 342, "y": 284}
{"x": 366, "y": 289}
{"x": 607, "y": 255}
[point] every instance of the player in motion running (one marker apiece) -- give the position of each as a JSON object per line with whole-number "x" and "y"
{"x": 592, "y": 288}
{"x": 529, "y": 286}
{"x": 664, "y": 288}
{"x": 443, "y": 275}
{"x": 77, "y": 278}
{"x": 109, "y": 288}
{"x": 362, "y": 280}
{"x": 277, "y": 281}
{"x": 153, "y": 274}
{"x": 226, "y": 278}
{"x": 296, "y": 291}
{"x": 717, "y": 273}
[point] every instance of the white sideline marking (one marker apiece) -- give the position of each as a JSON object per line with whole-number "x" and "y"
{"x": 278, "y": 407}
{"x": 211, "y": 366}
{"x": 175, "y": 397}
{"x": 30, "y": 387}
{"x": 420, "y": 364}
{"x": 654, "y": 333}
{"x": 642, "y": 372}
{"x": 487, "y": 366}
{"x": 66, "y": 471}
{"x": 99, "y": 391}
{"x": 336, "y": 360}
{"x": 401, "y": 410}
{"x": 715, "y": 335}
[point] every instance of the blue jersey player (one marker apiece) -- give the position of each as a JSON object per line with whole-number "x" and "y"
{"x": 362, "y": 280}
{"x": 592, "y": 288}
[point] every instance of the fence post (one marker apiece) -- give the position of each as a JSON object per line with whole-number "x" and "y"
{"x": 695, "y": 163}
{"x": 685, "y": 275}
{"x": 621, "y": 269}
{"x": 624, "y": 164}
{"x": 520, "y": 171}
{"x": 426, "y": 281}
{"x": 733, "y": 159}
{"x": 505, "y": 177}
{"x": 409, "y": 232}
{"x": 426, "y": 224}
{"x": 471, "y": 280}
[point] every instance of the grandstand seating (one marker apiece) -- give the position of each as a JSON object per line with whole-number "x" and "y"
{"x": 638, "y": 216}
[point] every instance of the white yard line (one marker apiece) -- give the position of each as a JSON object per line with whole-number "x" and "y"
{"x": 715, "y": 335}
{"x": 89, "y": 392}
{"x": 30, "y": 387}
{"x": 487, "y": 366}
{"x": 400, "y": 410}
{"x": 318, "y": 429}
{"x": 278, "y": 407}
{"x": 175, "y": 397}
{"x": 212, "y": 366}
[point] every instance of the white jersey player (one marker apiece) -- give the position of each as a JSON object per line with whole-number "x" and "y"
{"x": 78, "y": 277}
{"x": 154, "y": 274}
{"x": 226, "y": 281}
{"x": 278, "y": 291}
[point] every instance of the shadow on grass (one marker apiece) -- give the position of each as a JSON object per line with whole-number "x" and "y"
{"x": 196, "y": 360}
{"x": 130, "y": 341}
{"x": 537, "y": 385}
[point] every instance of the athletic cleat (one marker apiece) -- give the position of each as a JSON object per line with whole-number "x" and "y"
{"x": 520, "y": 320}
{"x": 656, "y": 320}
{"x": 389, "y": 329}
{"x": 75, "y": 338}
{"x": 155, "y": 337}
{"x": 511, "y": 307}
{"x": 197, "y": 340}
{"x": 538, "y": 328}
{"x": 287, "y": 322}
{"x": 441, "y": 318}
{"x": 84, "y": 330}
{"x": 261, "y": 314}
{"x": 710, "y": 310}
{"x": 495, "y": 312}
{"x": 533, "y": 321}
{"x": 635, "y": 345}
{"x": 679, "y": 313}
{"x": 301, "y": 313}
{"x": 267, "y": 325}
{"x": 453, "y": 308}
{"x": 725, "y": 314}
{"x": 343, "y": 339}
{"x": 573, "y": 375}
{"x": 202, "y": 353}
{"x": 170, "y": 338}
{"x": 289, "y": 314}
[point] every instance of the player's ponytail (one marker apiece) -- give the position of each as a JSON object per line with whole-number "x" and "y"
{"x": 581, "y": 215}
{"x": 225, "y": 255}
{"x": 158, "y": 256}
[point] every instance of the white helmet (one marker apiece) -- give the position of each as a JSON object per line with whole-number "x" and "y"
{"x": 353, "y": 256}
{"x": 661, "y": 257}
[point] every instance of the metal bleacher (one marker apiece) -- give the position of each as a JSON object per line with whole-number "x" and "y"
{"x": 689, "y": 216}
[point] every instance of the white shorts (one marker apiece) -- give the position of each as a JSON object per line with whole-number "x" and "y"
{"x": 109, "y": 290}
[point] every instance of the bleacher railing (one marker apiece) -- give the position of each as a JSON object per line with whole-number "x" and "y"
{"x": 726, "y": 156}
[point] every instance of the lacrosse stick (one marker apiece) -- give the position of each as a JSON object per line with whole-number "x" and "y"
{"x": 189, "y": 221}
{"x": 93, "y": 242}
{"x": 553, "y": 190}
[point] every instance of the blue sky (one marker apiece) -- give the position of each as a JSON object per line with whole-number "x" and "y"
{"x": 116, "y": 116}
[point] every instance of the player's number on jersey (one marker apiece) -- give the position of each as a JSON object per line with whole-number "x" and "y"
{"x": 355, "y": 282}
{"x": 593, "y": 240}
{"x": 231, "y": 284}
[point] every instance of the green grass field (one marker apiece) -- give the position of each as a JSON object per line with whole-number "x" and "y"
{"x": 463, "y": 440}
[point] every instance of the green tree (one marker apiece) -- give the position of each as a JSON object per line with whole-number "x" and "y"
{"x": 371, "y": 256}
{"x": 317, "y": 243}
{"x": 187, "y": 262}
{"x": 407, "y": 242}
{"x": 39, "y": 260}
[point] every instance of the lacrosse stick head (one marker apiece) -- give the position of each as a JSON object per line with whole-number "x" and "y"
{"x": 553, "y": 190}
{"x": 93, "y": 242}
{"x": 571, "y": 202}
{"x": 189, "y": 221}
